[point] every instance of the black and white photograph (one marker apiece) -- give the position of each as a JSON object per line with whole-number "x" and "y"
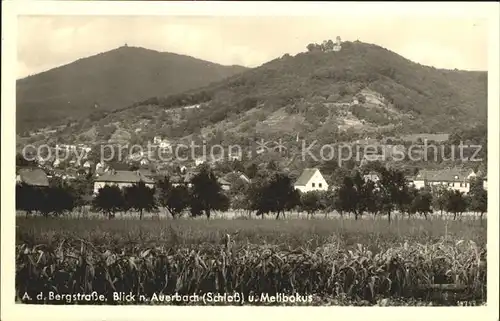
{"x": 329, "y": 160}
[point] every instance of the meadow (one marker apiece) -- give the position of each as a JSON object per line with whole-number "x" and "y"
{"x": 338, "y": 261}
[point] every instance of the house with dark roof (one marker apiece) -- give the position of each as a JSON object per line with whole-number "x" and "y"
{"x": 121, "y": 179}
{"x": 146, "y": 173}
{"x": 235, "y": 177}
{"x": 425, "y": 137}
{"x": 182, "y": 179}
{"x": 32, "y": 176}
{"x": 311, "y": 180}
{"x": 455, "y": 179}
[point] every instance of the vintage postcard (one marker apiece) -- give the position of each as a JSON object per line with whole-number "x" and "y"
{"x": 295, "y": 160}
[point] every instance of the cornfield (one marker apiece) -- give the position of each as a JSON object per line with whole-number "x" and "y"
{"x": 330, "y": 270}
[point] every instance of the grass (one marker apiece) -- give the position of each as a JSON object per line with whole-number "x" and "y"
{"x": 337, "y": 261}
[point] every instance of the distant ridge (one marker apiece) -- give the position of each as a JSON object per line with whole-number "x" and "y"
{"x": 109, "y": 80}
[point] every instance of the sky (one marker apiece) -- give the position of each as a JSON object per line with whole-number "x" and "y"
{"x": 45, "y": 42}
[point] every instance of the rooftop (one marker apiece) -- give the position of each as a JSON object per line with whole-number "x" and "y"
{"x": 446, "y": 175}
{"x": 33, "y": 176}
{"x": 306, "y": 175}
{"x": 124, "y": 177}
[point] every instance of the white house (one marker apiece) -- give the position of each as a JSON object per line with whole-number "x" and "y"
{"x": 224, "y": 184}
{"x": 311, "y": 180}
{"x": 56, "y": 163}
{"x": 451, "y": 178}
{"x": 121, "y": 179}
{"x": 165, "y": 144}
{"x": 87, "y": 164}
{"x": 200, "y": 160}
{"x": 234, "y": 156}
{"x": 371, "y": 176}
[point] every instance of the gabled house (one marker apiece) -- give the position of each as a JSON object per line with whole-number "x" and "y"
{"x": 311, "y": 180}
{"x": 121, "y": 179}
{"x": 224, "y": 184}
{"x": 146, "y": 173}
{"x": 183, "y": 179}
{"x": 236, "y": 176}
{"x": 371, "y": 176}
{"x": 410, "y": 180}
{"x": 87, "y": 164}
{"x": 200, "y": 160}
{"x": 450, "y": 178}
{"x": 56, "y": 163}
{"x": 33, "y": 177}
{"x": 157, "y": 140}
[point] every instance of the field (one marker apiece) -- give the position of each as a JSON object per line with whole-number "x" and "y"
{"x": 335, "y": 261}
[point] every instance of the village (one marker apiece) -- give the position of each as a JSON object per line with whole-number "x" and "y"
{"x": 138, "y": 167}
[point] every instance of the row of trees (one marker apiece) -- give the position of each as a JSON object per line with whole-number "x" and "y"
{"x": 358, "y": 196}
{"x": 205, "y": 195}
{"x": 268, "y": 194}
{"x": 361, "y": 197}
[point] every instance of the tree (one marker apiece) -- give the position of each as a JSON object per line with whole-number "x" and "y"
{"x": 422, "y": 203}
{"x": 207, "y": 194}
{"x": 274, "y": 195}
{"x": 140, "y": 198}
{"x": 293, "y": 200}
{"x": 109, "y": 200}
{"x": 478, "y": 197}
{"x": 439, "y": 195}
{"x": 28, "y": 198}
{"x": 239, "y": 195}
{"x": 83, "y": 190}
{"x": 356, "y": 195}
{"x": 178, "y": 200}
{"x": 455, "y": 203}
{"x": 347, "y": 197}
{"x": 174, "y": 199}
{"x": 251, "y": 170}
{"x": 272, "y": 166}
{"x": 56, "y": 199}
{"x": 329, "y": 167}
{"x": 393, "y": 191}
{"x": 45, "y": 207}
{"x": 364, "y": 191}
{"x": 329, "y": 45}
{"x": 407, "y": 201}
{"x": 60, "y": 199}
{"x": 337, "y": 178}
{"x": 311, "y": 202}
{"x": 335, "y": 202}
